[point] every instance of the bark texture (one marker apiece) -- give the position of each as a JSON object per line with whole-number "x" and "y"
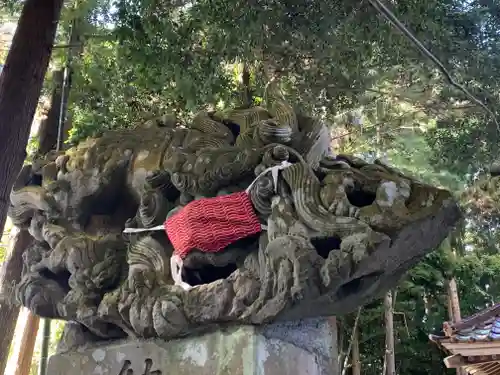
{"x": 20, "y": 85}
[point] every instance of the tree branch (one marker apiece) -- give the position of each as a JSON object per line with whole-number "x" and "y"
{"x": 349, "y": 348}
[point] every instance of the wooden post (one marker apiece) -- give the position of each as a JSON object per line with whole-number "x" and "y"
{"x": 25, "y": 355}
{"x": 20, "y": 240}
{"x": 355, "y": 359}
{"x": 454, "y": 308}
{"x": 351, "y": 342}
{"x": 454, "y": 302}
{"x": 389, "y": 335}
{"x": 454, "y": 314}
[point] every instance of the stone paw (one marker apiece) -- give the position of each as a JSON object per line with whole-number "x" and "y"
{"x": 354, "y": 247}
{"x": 140, "y": 280}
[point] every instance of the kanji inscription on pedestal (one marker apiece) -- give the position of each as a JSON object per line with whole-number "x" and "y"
{"x": 148, "y": 365}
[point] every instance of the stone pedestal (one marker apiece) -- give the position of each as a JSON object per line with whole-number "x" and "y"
{"x": 307, "y": 347}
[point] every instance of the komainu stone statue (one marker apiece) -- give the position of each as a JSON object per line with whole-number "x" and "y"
{"x": 333, "y": 233}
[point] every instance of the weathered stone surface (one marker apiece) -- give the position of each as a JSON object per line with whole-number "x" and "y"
{"x": 338, "y": 231}
{"x": 298, "y": 348}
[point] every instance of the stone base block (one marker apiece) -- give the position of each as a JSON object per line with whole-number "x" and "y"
{"x": 306, "y": 347}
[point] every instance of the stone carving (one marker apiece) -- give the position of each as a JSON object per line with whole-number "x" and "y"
{"x": 338, "y": 231}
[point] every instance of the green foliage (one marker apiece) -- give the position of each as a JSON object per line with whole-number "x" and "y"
{"x": 10, "y": 8}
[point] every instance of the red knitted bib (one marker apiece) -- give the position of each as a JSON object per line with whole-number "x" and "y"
{"x": 211, "y": 224}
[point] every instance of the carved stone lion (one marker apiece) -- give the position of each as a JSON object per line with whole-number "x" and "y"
{"x": 337, "y": 233}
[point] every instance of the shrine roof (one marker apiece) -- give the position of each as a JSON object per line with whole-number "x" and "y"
{"x": 473, "y": 343}
{"x": 482, "y": 326}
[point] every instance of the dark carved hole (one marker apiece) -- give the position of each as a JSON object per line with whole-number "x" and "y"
{"x": 245, "y": 242}
{"x": 35, "y": 180}
{"x": 112, "y": 331}
{"x": 325, "y": 245}
{"x": 62, "y": 278}
{"x": 203, "y": 271}
{"x": 207, "y": 274}
{"x": 352, "y": 287}
{"x": 235, "y": 129}
{"x": 359, "y": 197}
{"x": 320, "y": 174}
{"x": 357, "y": 285}
{"x": 107, "y": 204}
{"x": 108, "y": 197}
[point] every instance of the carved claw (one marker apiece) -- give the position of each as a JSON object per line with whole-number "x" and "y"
{"x": 290, "y": 277}
{"x": 140, "y": 280}
{"x": 360, "y": 245}
{"x": 342, "y": 207}
{"x": 275, "y": 298}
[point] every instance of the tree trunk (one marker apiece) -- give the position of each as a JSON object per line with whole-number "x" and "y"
{"x": 246, "y": 91}
{"x": 356, "y": 361}
{"x": 25, "y": 355}
{"x": 454, "y": 308}
{"x": 454, "y": 315}
{"x": 20, "y": 85}
{"x": 48, "y": 130}
{"x": 11, "y": 273}
{"x": 76, "y": 43}
{"x": 389, "y": 335}
{"x": 351, "y": 341}
{"x": 454, "y": 303}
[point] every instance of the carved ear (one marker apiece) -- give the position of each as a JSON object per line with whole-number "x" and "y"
{"x": 27, "y": 196}
{"x": 33, "y": 197}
